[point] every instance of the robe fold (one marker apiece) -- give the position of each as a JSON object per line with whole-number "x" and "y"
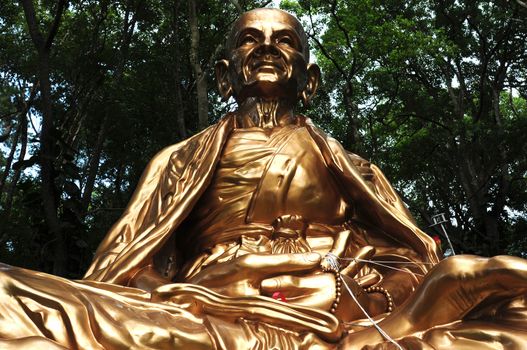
{"x": 103, "y": 312}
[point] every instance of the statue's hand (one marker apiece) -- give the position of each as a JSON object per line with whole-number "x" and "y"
{"x": 319, "y": 290}
{"x": 296, "y": 276}
{"x": 242, "y": 276}
{"x": 316, "y": 290}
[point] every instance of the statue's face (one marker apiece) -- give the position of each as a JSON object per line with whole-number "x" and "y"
{"x": 268, "y": 55}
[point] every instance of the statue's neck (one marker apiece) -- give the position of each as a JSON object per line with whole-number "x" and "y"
{"x": 264, "y": 113}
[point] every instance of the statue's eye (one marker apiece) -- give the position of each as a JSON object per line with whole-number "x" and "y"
{"x": 248, "y": 40}
{"x": 286, "y": 40}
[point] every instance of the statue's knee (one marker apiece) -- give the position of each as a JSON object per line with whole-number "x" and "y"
{"x": 457, "y": 262}
{"x": 459, "y": 266}
{"x": 507, "y": 262}
{"x": 470, "y": 267}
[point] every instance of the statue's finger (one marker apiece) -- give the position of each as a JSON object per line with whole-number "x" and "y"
{"x": 279, "y": 284}
{"x": 365, "y": 253}
{"x": 368, "y": 280}
{"x": 279, "y": 263}
{"x": 296, "y": 283}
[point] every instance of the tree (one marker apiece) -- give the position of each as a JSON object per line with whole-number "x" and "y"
{"x": 43, "y": 45}
{"x": 438, "y": 89}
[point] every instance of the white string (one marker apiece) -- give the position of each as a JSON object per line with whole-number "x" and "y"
{"x": 392, "y": 261}
{"x": 379, "y": 329}
{"x": 387, "y": 266}
{"x": 332, "y": 261}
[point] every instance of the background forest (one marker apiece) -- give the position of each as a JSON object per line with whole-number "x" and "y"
{"x": 433, "y": 92}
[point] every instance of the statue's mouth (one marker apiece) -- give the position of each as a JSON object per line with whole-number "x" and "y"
{"x": 267, "y": 66}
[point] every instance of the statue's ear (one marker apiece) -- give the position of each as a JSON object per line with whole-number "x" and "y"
{"x": 313, "y": 79}
{"x": 222, "y": 77}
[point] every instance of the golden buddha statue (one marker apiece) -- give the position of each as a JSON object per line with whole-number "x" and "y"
{"x": 262, "y": 232}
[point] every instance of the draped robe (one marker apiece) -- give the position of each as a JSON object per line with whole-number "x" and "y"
{"x": 177, "y": 177}
{"x": 102, "y": 312}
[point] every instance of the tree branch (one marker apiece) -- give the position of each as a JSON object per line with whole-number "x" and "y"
{"x": 521, "y": 3}
{"x": 237, "y": 5}
{"x": 55, "y": 25}
{"x": 31, "y": 19}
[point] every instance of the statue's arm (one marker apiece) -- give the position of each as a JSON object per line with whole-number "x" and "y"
{"x": 170, "y": 185}
{"x": 374, "y": 178}
{"x": 140, "y": 212}
{"x": 361, "y": 171}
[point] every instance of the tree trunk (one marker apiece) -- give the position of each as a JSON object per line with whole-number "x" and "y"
{"x": 117, "y": 201}
{"x": 93, "y": 166}
{"x": 130, "y": 19}
{"x": 353, "y": 124}
{"x": 10, "y": 157}
{"x": 18, "y": 171}
{"x": 201, "y": 82}
{"x": 180, "y": 111}
{"x": 47, "y": 140}
{"x": 47, "y": 170}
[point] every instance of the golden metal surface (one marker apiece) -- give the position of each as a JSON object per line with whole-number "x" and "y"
{"x": 246, "y": 210}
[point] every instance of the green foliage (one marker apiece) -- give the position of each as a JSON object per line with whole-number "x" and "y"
{"x": 436, "y": 93}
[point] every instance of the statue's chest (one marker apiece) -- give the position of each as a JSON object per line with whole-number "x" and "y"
{"x": 285, "y": 173}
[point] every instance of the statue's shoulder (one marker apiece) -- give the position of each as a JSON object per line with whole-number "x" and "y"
{"x": 179, "y": 152}
{"x": 334, "y": 145}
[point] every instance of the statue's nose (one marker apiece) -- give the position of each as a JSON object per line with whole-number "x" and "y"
{"x": 267, "y": 49}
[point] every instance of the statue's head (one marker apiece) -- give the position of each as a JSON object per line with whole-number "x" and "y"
{"x": 267, "y": 56}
